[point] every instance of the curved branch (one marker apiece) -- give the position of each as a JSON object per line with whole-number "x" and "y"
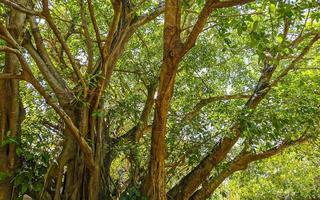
{"x": 204, "y": 102}
{"x": 136, "y": 132}
{"x": 241, "y": 162}
{"x": 203, "y": 17}
{"x": 195, "y": 177}
{"x": 20, "y": 7}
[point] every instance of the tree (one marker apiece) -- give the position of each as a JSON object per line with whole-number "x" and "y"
{"x": 101, "y": 89}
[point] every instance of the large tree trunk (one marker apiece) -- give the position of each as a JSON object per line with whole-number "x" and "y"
{"x": 11, "y": 111}
{"x": 73, "y": 179}
{"x": 154, "y": 186}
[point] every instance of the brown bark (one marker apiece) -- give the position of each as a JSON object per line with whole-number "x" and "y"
{"x": 155, "y": 182}
{"x": 11, "y": 110}
{"x": 72, "y": 178}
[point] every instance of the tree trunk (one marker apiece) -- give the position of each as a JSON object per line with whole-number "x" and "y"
{"x": 73, "y": 179}
{"x": 11, "y": 111}
{"x": 155, "y": 182}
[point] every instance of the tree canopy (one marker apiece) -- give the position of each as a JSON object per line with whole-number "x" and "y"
{"x": 159, "y": 100}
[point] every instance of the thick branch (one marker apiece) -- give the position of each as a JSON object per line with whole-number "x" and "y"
{"x": 154, "y": 183}
{"x": 262, "y": 88}
{"x": 241, "y": 162}
{"x": 189, "y": 183}
{"x": 20, "y": 7}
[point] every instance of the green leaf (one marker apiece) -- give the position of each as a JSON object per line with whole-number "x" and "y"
{"x": 272, "y": 8}
{"x": 24, "y": 188}
{"x": 279, "y": 39}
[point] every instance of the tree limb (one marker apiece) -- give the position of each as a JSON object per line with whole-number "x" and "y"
{"x": 241, "y": 162}
{"x": 95, "y": 26}
{"x": 189, "y": 183}
{"x": 20, "y": 7}
{"x": 208, "y": 8}
{"x": 136, "y": 132}
{"x": 86, "y": 33}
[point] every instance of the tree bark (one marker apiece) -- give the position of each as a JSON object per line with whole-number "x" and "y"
{"x": 155, "y": 182}
{"x": 11, "y": 110}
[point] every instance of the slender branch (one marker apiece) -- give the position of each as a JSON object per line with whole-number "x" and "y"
{"x": 301, "y": 38}
{"x": 136, "y": 132}
{"x": 113, "y": 28}
{"x": 143, "y": 19}
{"x": 204, "y": 102}
{"x": 203, "y": 17}
{"x": 136, "y": 7}
{"x": 5, "y": 35}
{"x": 95, "y": 26}
{"x": 9, "y": 49}
{"x": 87, "y": 37}
{"x": 308, "y": 68}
